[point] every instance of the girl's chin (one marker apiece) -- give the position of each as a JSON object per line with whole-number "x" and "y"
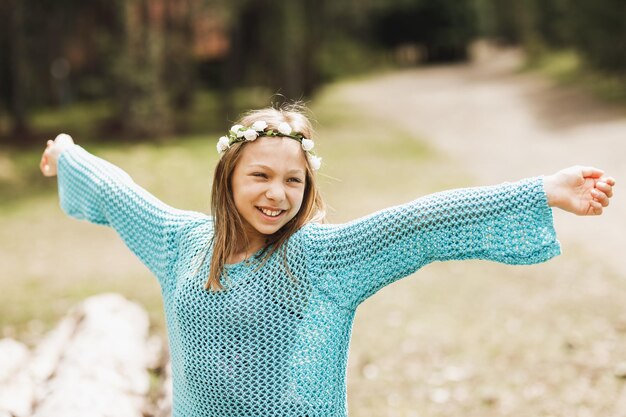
{"x": 264, "y": 228}
{"x": 267, "y": 229}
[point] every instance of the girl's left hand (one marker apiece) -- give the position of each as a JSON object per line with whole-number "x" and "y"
{"x": 48, "y": 163}
{"x": 581, "y": 190}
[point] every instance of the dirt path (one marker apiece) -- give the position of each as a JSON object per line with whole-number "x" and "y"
{"x": 501, "y": 125}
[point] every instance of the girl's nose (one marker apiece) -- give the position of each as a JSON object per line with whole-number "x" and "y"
{"x": 275, "y": 192}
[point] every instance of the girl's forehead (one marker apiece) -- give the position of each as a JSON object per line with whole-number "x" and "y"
{"x": 274, "y": 151}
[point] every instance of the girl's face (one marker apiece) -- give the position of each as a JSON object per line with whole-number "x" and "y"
{"x": 268, "y": 185}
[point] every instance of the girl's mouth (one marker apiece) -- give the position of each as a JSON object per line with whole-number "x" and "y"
{"x": 270, "y": 214}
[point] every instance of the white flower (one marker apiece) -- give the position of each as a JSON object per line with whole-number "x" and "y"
{"x": 307, "y": 144}
{"x": 251, "y": 134}
{"x": 315, "y": 162}
{"x": 235, "y": 130}
{"x": 259, "y": 125}
{"x": 222, "y": 144}
{"x": 284, "y": 128}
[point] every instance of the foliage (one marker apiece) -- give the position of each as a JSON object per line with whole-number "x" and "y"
{"x": 140, "y": 55}
{"x": 442, "y": 28}
{"x": 599, "y": 33}
{"x": 594, "y": 28}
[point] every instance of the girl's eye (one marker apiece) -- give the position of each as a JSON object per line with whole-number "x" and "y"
{"x": 259, "y": 174}
{"x": 294, "y": 179}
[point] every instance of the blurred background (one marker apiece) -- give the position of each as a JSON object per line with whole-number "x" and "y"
{"x": 138, "y": 68}
{"x": 409, "y": 97}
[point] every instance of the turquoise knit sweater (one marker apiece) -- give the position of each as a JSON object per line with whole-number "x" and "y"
{"x": 271, "y": 345}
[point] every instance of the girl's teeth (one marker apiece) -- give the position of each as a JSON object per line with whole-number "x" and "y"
{"x": 271, "y": 213}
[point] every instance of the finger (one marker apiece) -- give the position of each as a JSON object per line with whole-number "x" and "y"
{"x": 45, "y": 168}
{"x": 44, "y": 165}
{"x": 596, "y": 208}
{"x": 608, "y": 180}
{"x": 591, "y": 172}
{"x": 605, "y": 188}
{"x": 600, "y": 197}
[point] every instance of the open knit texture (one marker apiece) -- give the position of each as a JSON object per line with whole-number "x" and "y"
{"x": 275, "y": 344}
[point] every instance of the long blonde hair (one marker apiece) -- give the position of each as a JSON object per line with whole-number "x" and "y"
{"x": 228, "y": 225}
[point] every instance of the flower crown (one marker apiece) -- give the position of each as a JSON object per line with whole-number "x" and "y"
{"x": 239, "y": 133}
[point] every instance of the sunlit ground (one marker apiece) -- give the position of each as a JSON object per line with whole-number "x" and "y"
{"x": 472, "y": 338}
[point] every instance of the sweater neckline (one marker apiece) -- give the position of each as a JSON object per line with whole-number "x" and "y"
{"x": 246, "y": 262}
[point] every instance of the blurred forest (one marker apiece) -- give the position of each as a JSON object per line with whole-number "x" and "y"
{"x": 144, "y": 62}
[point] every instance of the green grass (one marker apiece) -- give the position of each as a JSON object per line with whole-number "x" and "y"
{"x": 78, "y": 119}
{"x": 568, "y": 68}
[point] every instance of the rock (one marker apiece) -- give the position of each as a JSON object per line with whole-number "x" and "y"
{"x": 13, "y": 356}
{"x": 93, "y": 363}
{"x": 16, "y": 387}
{"x": 101, "y": 365}
{"x": 164, "y": 405}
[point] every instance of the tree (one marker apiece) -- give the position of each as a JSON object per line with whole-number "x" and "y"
{"x": 142, "y": 106}
{"x": 597, "y": 30}
{"x": 443, "y": 28}
{"x": 274, "y": 43}
{"x": 13, "y": 66}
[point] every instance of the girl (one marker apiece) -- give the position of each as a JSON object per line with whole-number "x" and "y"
{"x": 260, "y": 296}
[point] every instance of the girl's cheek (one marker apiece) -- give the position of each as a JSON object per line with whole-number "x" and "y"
{"x": 295, "y": 194}
{"x": 296, "y": 198}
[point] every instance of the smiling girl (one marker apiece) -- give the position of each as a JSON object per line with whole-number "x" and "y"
{"x": 263, "y": 328}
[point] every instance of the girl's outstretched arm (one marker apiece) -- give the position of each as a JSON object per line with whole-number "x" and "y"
{"x": 95, "y": 190}
{"x": 509, "y": 223}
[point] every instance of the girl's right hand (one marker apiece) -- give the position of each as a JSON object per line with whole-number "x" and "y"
{"x": 48, "y": 164}
{"x": 581, "y": 190}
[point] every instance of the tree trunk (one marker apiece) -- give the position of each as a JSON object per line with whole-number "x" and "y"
{"x": 292, "y": 55}
{"x": 177, "y": 52}
{"x": 18, "y": 70}
{"x": 143, "y": 108}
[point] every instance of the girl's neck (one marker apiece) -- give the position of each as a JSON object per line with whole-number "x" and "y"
{"x": 243, "y": 252}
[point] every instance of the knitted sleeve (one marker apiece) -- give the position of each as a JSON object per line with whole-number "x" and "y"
{"x": 509, "y": 223}
{"x": 95, "y": 190}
